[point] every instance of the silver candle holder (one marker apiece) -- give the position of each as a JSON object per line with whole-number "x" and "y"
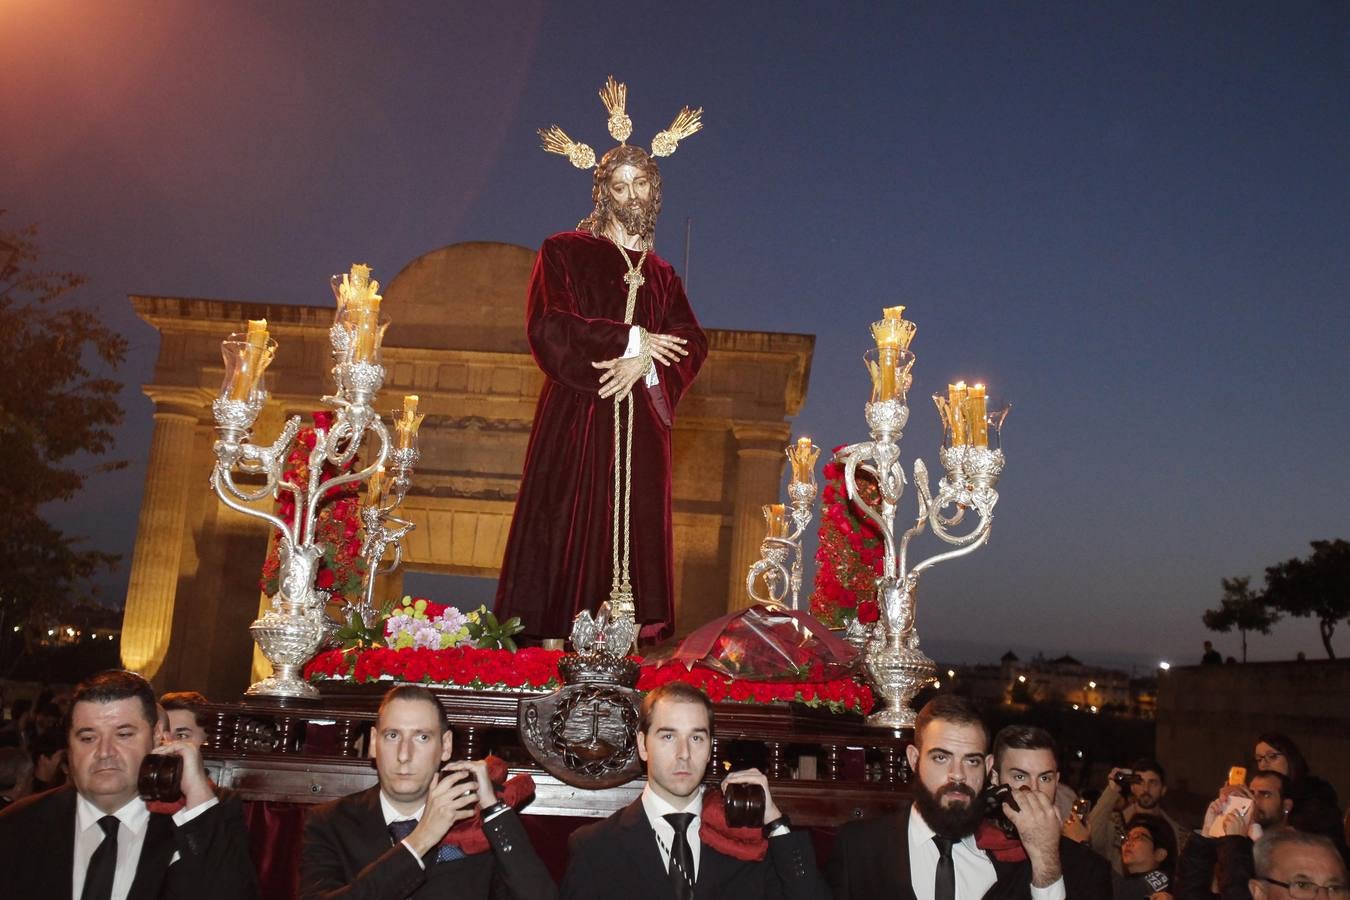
{"x": 972, "y": 461}
{"x": 384, "y": 530}
{"x": 780, "y": 564}
{"x": 289, "y": 633}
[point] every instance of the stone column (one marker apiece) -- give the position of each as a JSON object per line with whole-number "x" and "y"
{"x": 147, "y": 623}
{"x": 759, "y": 473}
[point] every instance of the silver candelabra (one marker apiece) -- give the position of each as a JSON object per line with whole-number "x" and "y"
{"x": 290, "y": 632}
{"x": 972, "y": 460}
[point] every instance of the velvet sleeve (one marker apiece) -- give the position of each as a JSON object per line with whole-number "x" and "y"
{"x": 563, "y": 341}
{"x": 679, "y": 320}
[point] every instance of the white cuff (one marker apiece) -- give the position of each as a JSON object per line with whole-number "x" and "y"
{"x": 634, "y": 347}
{"x": 183, "y": 816}
{"x": 405, "y": 843}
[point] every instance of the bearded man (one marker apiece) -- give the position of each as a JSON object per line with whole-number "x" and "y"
{"x": 928, "y": 851}
{"x": 609, "y": 324}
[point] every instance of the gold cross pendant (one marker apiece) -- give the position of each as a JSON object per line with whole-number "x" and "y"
{"x": 633, "y": 278}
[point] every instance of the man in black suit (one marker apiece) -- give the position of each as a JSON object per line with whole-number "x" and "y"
{"x": 387, "y": 843}
{"x": 929, "y": 850}
{"x": 96, "y": 839}
{"x": 662, "y": 844}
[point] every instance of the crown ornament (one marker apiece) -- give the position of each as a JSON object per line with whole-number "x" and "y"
{"x": 614, "y": 96}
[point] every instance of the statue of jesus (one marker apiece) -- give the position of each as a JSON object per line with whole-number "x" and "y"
{"x": 609, "y": 324}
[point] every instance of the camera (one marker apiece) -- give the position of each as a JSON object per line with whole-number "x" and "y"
{"x": 993, "y": 797}
{"x": 160, "y": 778}
{"x": 743, "y": 803}
{"x": 1126, "y": 777}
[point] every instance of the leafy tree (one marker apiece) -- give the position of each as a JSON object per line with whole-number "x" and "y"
{"x": 1241, "y": 608}
{"x": 1317, "y": 586}
{"x": 58, "y": 407}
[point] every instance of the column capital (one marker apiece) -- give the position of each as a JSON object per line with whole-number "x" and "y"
{"x": 761, "y": 436}
{"x": 193, "y": 403}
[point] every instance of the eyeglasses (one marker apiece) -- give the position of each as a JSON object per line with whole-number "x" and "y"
{"x": 1269, "y": 758}
{"x": 1308, "y": 890}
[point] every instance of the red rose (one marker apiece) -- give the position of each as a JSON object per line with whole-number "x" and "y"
{"x": 868, "y": 612}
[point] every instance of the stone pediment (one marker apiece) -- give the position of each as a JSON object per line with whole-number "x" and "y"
{"x": 466, "y": 296}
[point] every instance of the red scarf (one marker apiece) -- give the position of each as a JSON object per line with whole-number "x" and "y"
{"x": 468, "y": 833}
{"x": 745, "y": 844}
{"x": 990, "y": 838}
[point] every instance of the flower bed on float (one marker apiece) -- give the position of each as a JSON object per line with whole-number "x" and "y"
{"x": 533, "y": 669}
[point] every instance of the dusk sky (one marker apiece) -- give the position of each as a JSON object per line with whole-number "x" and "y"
{"x": 1132, "y": 220}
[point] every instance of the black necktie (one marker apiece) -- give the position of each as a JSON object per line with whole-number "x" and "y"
{"x": 944, "y": 883}
{"x": 681, "y": 871}
{"x": 401, "y": 829}
{"x": 98, "y": 880}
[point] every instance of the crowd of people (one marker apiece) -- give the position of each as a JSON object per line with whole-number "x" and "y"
{"x": 988, "y": 817}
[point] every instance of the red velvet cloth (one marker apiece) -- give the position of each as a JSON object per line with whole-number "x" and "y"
{"x": 558, "y": 555}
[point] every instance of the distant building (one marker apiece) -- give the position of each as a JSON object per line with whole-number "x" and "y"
{"x": 1064, "y": 681}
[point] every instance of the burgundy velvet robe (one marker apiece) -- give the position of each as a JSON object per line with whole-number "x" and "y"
{"x": 558, "y": 556}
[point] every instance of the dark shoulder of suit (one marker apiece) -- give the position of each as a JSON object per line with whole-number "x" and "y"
{"x": 1087, "y": 875}
{"x": 871, "y": 858}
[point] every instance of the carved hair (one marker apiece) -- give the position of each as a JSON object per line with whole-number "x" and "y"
{"x": 622, "y": 155}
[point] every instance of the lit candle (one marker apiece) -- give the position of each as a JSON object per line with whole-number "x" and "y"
{"x": 375, "y": 488}
{"x": 407, "y": 424}
{"x": 803, "y": 457}
{"x": 775, "y": 519}
{"x": 956, "y": 403}
{"x": 365, "y": 317}
{"x": 892, "y": 335}
{"x": 251, "y": 362}
{"x": 976, "y": 416}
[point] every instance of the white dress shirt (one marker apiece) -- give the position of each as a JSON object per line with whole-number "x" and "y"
{"x": 656, "y": 808}
{"x": 975, "y": 873}
{"x": 133, "y": 821}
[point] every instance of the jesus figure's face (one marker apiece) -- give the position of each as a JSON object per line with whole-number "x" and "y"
{"x": 630, "y": 195}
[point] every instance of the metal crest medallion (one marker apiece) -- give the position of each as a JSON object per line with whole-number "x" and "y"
{"x": 584, "y": 734}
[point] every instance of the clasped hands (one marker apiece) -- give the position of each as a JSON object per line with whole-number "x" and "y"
{"x": 618, "y": 375}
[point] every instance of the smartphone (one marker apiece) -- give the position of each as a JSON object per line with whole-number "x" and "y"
{"x": 1241, "y": 805}
{"x": 1237, "y": 775}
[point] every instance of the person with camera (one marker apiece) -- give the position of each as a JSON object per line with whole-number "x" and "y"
{"x": 97, "y": 839}
{"x": 931, "y": 850}
{"x": 675, "y": 840}
{"x": 1128, "y": 792}
{"x": 394, "y": 840}
{"x": 1025, "y": 761}
{"x": 1220, "y": 857}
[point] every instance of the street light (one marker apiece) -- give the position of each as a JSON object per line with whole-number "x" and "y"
{"x": 1164, "y": 665}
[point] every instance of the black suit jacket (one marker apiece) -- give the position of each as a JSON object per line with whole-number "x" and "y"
{"x": 871, "y": 859}
{"x": 618, "y": 858}
{"x": 37, "y": 852}
{"x": 347, "y": 852}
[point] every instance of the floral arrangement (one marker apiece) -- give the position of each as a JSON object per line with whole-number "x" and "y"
{"x": 420, "y": 624}
{"x": 337, "y": 524}
{"x": 850, "y": 554}
{"x": 536, "y": 669}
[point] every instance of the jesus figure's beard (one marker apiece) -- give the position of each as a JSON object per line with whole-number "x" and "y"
{"x": 637, "y": 217}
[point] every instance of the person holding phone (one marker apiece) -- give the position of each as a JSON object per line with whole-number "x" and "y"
{"x": 97, "y": 839}
{"x": 390, "y": 842}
